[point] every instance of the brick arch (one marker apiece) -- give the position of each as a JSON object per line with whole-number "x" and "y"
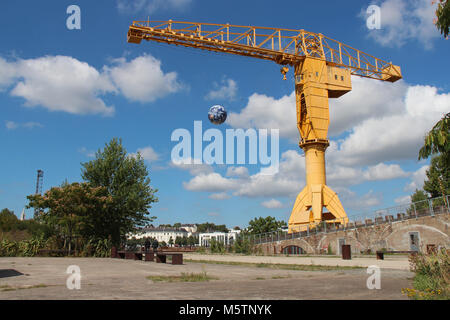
{"x": 398, "y": 239}
{"x": 298, "y": 242}
{"x": 293, "y": 247}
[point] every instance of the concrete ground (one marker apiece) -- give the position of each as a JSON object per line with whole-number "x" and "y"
{"x": 105, "y": 278}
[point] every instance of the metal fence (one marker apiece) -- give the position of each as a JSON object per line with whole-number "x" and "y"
{"x": 429, "y": 207}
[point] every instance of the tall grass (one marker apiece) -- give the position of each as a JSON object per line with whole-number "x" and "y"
{"x": 432, "y": 276}
{"x": 24, "y": 248}
{"x": 31, "y": 247}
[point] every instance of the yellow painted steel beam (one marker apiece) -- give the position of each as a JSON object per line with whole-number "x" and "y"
{"x": 283, "y": 46}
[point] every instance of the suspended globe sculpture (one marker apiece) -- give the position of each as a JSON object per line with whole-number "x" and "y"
{"x": 217, "y": 114}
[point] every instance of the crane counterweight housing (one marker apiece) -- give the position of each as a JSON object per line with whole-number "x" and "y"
{"x": 322, "y": 69}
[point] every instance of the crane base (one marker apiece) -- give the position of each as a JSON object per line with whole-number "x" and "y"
{"x": 307, "y": 211}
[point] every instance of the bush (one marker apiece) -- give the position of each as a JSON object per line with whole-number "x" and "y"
{"x": 24, "y": 248}
{"x": 432, "y": 279}
{"x": 242, "y": 246}
{"x": 217, "y": 246}
{"x": 97, "y": 248}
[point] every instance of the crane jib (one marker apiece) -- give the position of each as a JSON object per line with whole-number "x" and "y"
{"x": 283, "y": 46}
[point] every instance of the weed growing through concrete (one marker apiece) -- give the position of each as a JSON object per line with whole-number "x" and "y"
{"x": 9, "y": 288}
{"x": 184, "y": 277}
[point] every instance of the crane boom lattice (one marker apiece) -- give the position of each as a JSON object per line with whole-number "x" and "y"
{"x": 283, "y": 46}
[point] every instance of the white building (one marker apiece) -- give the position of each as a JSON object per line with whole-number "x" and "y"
{"x": 227, "y": 238}
{"x": 160, "y": 234}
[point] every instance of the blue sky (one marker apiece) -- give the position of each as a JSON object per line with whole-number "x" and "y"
{"x": 65, "y": 93}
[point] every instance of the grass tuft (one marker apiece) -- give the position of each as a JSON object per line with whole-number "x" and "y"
{"x": 9, "y": 288}
{"x": 184, "y": 277}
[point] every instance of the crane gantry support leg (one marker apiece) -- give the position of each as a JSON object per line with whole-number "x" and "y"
{"x": 313, "y": 88}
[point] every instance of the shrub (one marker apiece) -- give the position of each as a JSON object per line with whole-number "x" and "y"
{"x": 242, "y": 246}
{"x": 432, "y": 279}
{"x": 217, "y": 246}
{"x": 24, "y": 248}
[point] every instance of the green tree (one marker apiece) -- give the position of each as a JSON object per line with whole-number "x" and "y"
{"x": 438, "y": 177}
{"x": 126, "y": 179}
{"x": 72, "y": 210}
{"x": 191, "y": 241}
{"x": 216, "y": 246}
{"x": 170, "y": 241}
{"x": 436, "y": 142}
{"x": 263, "y": 225}
{"x": 211, "y": 227}
{"x": 418, "y": 198}
{"x": 8, "y": 220}
{"x": 177, "y": 225}
{"x": 442, "y": 20}
{"x": 418, "y": 195}
{"x": 242, "y": 245}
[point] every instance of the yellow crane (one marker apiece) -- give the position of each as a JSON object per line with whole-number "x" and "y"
{"x": 322, "y": 69}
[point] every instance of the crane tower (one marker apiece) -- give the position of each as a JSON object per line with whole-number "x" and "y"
{"x": 39, "y": 182}
{"x": 322, "y": 70}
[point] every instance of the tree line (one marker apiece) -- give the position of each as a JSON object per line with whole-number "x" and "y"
{"x": 113, "y": 200}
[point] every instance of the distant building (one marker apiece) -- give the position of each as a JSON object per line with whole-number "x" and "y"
{"x": 160, "y": 234}
{"x": 22, "y": 216}
{"x": 227, "y": 238}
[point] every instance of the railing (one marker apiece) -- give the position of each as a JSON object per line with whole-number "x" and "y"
{"x": 429, "y": 207}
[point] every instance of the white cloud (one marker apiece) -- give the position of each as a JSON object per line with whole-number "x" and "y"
{"x": 7, "y": 73}
{"x": 359, "y": 203}
{"x": 32, "y": 124}
{"x": 341, "y": 175}
{"x": 417, "y": 179}
{"x": 227, "y": 90}
{"x": 403, "y": 200}
{"x": 150, "y": 6}
{"x": 263, "y": 112}
{"x": 62, "y": 83}
{"x": 213, "y": 214}
{"x": 287, "y": 182}
{"x": 212, "y": 182}
{"x": 219, "y": 196}
{"x": 383, "y": 171}
{"x": 194, "y": 169}
{"x": 368, "y": 99}
{"x": 142, "y": 79}
{"x": 11, "y": 125}
{"x": 272, "y": 204}
{"x": 240, "y": 172}
{"x": 405, "y": 20}
{"x": 86, "y": 152}
{"x": 148, "y": 154}
{"x": 394, "y": 136}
